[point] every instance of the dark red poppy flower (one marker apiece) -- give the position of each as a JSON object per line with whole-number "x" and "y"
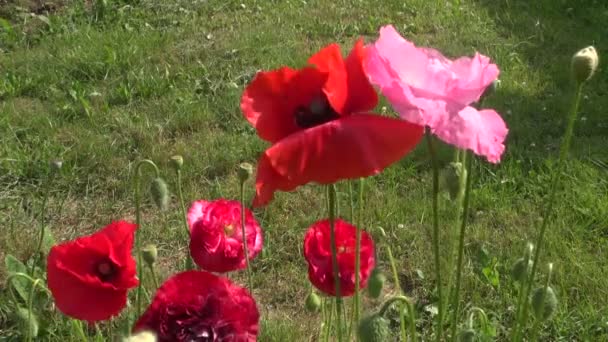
{"x": 317, "y": 251}
{"x": 309, "y": 117}
{"x": 90, "y": 276}
{"x": 216, "y": 239}
{"x": 199, "y": 306}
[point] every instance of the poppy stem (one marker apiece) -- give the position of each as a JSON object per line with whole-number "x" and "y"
{"x": 244, "y": 236}
{"x": 153, "y": 274}
{"x": 184, "y": 215}
{"x": 137, "y": 198}
{"x": 391, "y": 260}
{"x": 435, "y": 163}
{"x": 555, "y": 180}
{"x": 465, "y": 213}
{"x": 47, "y": 190}
{"x": 357, "y": 299}
{"x": 334, "y": 256}
{"x": 538, "y": 321}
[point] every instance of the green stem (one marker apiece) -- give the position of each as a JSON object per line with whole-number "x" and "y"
{"x": 30, "y": 306}
{"x": 435, "y": 163}
{"x": 465, "y": 214}
{"x": 329, "y": 320}
{"x": 244, "y": 235}
{"x": 334, "y": 257}
{"x": 542, "y": 300}
{"x": 154, "y": 277}
{"x": 47, "y": 190}
{"x": 137, "y": 195}
{"x": 555, "y": 179}
{"x": 412, "y": 314}
{"x": 184, "y": 215}
{"x": 357, "y": 298}
{"x": 521, "y": 297}
{"x": 410, "y": 309}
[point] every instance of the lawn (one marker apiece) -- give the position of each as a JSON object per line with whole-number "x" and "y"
{"x": 101, "y": 90}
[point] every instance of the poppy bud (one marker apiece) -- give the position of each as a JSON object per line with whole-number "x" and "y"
{"x": 584, "y": 64}
{"x": 176, "y": 162}
{"x": 245, "y": 171}
{"x": 452, "y": 176}
{"x": 160, "y": 193}
{"x": 313, "y": 303}
{"x": 149, "y": 253}
{"x": 467, "y": 335}
{"x": 544, "y": 303}
{"x": 373, "y": 328}
{"x": 521, "y": 269}
{"x": 375, "y": 283}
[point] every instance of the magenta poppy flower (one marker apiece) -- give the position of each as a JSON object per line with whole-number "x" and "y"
{"x": 216, "y": 239}
{"x": 429, "y": 89}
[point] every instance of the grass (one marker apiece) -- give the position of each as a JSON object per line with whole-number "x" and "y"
{"x": 152, "y": 78}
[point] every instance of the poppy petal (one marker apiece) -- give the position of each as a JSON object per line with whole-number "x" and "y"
{"x": 329, "y": 60}
{"x": 352, "y": 147}
{"x": 361, "y": 94}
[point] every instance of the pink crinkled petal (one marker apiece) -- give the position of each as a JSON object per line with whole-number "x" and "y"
{"x": 196, "y": 212}
{"x": 474, "y": 75}
{"x": 482, "y": 131}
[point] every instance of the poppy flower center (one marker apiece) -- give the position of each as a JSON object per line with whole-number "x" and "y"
{"x": 198, "y": 333}
{"x": 228, "y": 230}
{"x": 106, "y": 270}
{"x": 318, "y": 112}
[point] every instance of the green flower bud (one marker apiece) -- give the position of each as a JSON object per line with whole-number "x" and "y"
{"x": 56, "y": 164}
{"x": 373, "y": 328}
{"x": 544, "y": 303}
{"x": 160, "y": 193}
{"x": 176, "y": 162}
{"x": 521, "y": 269}
{"x": 150, "y": 254}
{"x": 245, "y": 171}
{"x": 467, "y": 335}
{"x": 452, "y": 176}
{"x": 313, "y": 303}
{"x": 584, "y": 64}
{"x": 375, "y": 283}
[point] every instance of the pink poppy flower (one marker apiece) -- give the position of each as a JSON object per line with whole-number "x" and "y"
{"x": 216, "y": 241}
{"x": 429, "y": 89}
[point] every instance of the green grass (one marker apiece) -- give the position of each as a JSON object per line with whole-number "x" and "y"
{"x": 156, "y": 78}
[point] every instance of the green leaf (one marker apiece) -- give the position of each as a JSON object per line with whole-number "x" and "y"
{"x": 27, "y": 322}
{"x": 20, "y": 284}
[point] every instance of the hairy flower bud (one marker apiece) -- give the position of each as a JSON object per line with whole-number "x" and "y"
{"x": 160, "y": 193}
{"x": 245, "y": 171}
{"x": 150, "y": 254}
{"x": 467, "y": 335}
{"x": 544, "y": 303}
{"x": 56, "y": 164}
{"x": 373, "y": 328}
{"x": 375, "y": 283}
{"x": 521, "y": 269}
{"x": 453, "y": 178}
{"x": 584, "y": 64}
{"x": 313, "y": 303}
{"x": 176, "y": 162}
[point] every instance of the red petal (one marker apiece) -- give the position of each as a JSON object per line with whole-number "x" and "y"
{"x": 329, "y": 60}
{"x": 352, "y": 147}
{"x": 270, "y": 100}
{"x": 361, "y": 94}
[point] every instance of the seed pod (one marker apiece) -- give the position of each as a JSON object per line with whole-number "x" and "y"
{"x": 375, "y": 283}
{"x": 373, "y": 328}
{"x": 467, "y": 335}
{"x": 544, "y": 303}
{"x": 160, "y": 193}
{"x": 521, "y": 269}
{"x": 150, "y": 254}
{"x": 313, "y": 302}
{"x": 584, "y": 64}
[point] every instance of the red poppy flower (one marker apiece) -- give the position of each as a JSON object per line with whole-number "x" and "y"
{"x": 199, "y": 306}
{"x": 216, "y": 239}
{"x": 309, "y": 117}
{"x": 317, "y": 251}
{"x": 89, "y": 277}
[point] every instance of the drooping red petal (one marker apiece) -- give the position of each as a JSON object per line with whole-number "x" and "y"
{"x": 351, "y": 147}
{"x": 361, "y": 94}
{"x": 329, "y": 60}
{"x": 270, "y": 100}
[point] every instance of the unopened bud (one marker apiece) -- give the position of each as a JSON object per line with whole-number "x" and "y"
{"x": 453, "y": 178}
{"x": 584, "y": 64}
{"x": 313, "y": 303}
{"x": 467, "y": 335}
{"x": 521, "y": 269}
{"x": 176, "y": 162}
{"x": 375, "y": 283}
{"x": 245, "y": 171}
{"x": 160, "y": 193}
{"x": 56, "y": 164}
{"x": 373, "y": 328}
{"x": 144, "y": 336}
{"x": 544, "y": 303}
{"x": 150, "y": 254}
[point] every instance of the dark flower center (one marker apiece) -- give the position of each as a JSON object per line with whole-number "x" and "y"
{"x": 106, "y": 270}
{"x": 318, "y": 112}
{"x": 197, "y": 333}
